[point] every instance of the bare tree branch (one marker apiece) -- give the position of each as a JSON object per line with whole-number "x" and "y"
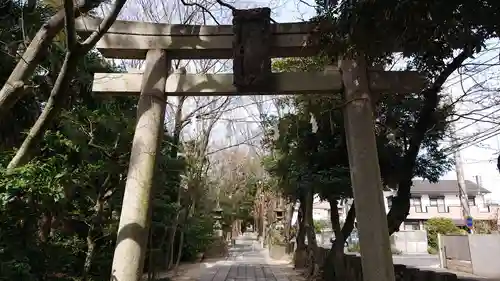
{"x": 69, "y": 20}
{"x": 90, "y": 42}
{"x": 224, "y": 4}
{"x": 202, "y": 8}
{"x": 15, "y": 86}
{"x": 56, "y": 99}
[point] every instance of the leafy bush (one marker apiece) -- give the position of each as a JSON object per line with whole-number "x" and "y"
{"x": 320, "y": 225}
{"x": 432, "y": 251}
{"x": 485, "y": 226}
{"x": 353, "y": 248}
{"x": 198, "y": 235}
{"x": 441, "y": 226}
{"x": 276, "y": 236}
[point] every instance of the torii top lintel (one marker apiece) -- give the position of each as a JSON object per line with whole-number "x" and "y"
{"x": 251, "y": 49}
{"x": 132, "y": 40}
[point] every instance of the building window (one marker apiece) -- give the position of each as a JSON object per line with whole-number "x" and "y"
{"x": 416, "y": 202}
{"x": 472, "y": 200}
{"x": 433, "y": 201}
{"x": 442, "y": 206}
{"x": 439, "y": 203}
{"x": 412, "y": 225}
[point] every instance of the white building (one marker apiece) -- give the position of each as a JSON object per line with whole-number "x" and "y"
{"x": 428, "y": 200}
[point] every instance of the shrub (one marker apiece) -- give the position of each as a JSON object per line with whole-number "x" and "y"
{"x": 197, "y": 236}
{"x": 320, "y": 225}
{"x": 441, "y": 226}
{"x": 432, "y": 251}
{"x": 353, "y": 248}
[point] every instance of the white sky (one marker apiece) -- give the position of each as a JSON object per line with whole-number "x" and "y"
{"x": 479, "y": 157}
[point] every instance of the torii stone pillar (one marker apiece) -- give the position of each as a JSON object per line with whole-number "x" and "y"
{"x": 376, "y": 257}
{"x": 128, "y": 260}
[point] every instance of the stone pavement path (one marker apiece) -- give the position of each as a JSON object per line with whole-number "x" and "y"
{"x": 248, "y": 261}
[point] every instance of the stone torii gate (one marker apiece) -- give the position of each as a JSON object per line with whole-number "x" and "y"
{"x": 251, "y": 41}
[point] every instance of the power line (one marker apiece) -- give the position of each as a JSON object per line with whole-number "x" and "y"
{"x": 487, "y": 137}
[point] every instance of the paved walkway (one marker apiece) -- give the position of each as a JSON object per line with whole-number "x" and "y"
{"x": 248, "y": 261}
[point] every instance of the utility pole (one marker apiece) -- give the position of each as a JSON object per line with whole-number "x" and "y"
{"x": 462, "y": 188}
{"x": 479, "y": 184}
{"x": 459, "y": 169}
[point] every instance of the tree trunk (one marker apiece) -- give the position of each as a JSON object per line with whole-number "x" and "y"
{"x": 190, "y": 210}
{"x": 401, "y": 202}
{"x": 173, "y": 154}
{"x": 50, "y": 111}
{"x": 179, "y": 251}
{"x": 170, "y": 253}
{"x": 171, "y": 235}
{"x": 336, "y": 254}
{"x": 261, "y": 215}
{"x": 92, "y": 234}
{"x": 301, "y": 232}
{"x": 56, "y": 100}
{"x": 348, "y": 224}
{"x": 45, "y": 225}
{"x": 30, "y": 6}
{"x": 15, "y": 87}
{"x": 288, "y": 224}
{"x": 312, "y": 245}
{"x": 300, "y": 255}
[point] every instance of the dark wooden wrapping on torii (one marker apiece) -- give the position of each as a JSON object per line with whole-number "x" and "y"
{"x": 251, "y": 49}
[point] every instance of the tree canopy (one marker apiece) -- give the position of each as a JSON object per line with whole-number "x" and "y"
{"x": 303, "y": 158}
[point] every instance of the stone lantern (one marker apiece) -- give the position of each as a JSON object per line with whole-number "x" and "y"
{"x": 279, "y": 214}
{"x": 217, "y": 215}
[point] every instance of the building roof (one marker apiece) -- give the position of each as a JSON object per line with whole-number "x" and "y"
{"x": 445, "y": 187}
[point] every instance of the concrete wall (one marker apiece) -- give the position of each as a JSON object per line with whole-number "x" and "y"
{"x": 321, "y": 214}
{"x": 324, "y": 237}
{"x": 456, "y": 247}
{"x": 485, "y": 254}
{"x": 402, "y": 273}
{"x": 478, "y": 253}
{"x": 410, "y": 242}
